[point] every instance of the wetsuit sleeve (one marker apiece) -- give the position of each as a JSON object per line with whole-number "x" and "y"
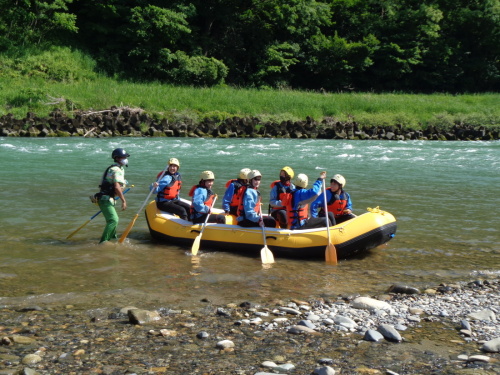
{"x": 349, "y": 202}
{"x": 199, "y": 198}
{"x": 228, "y": 197}
{"x": 249, "y": 201}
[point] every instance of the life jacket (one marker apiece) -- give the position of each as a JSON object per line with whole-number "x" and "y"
{"x": 281, "y": 191}
{"x": 294, "y": 214}
{"x": 208, "y": 202}
{"x": 171, "y": 191}
{"x": 237, "y": 195}
{"x": 335, "y": 205}
{"x": 241, "y": 208}
{"x": 107, "y": 188}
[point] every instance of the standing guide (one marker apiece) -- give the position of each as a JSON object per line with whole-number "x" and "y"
{"x": 112, "y": 185}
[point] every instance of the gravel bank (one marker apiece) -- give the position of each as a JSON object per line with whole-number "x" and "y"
{"x": 447, "y": 329}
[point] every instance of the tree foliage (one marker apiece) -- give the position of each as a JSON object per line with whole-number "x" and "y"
{"x": 332, "y": 45}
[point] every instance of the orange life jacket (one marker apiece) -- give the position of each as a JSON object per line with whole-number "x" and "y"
{"x": 171, "y": 191}
{"x": 284, "y": 190}
{"x": 237, "y": 195}
{"x": 208, "y": 202}
{"x": 336, "y": 206}
{"x": 241, "y": 208}
{"x": 295, "y": 214}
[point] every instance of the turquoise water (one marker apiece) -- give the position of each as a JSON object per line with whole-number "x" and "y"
{"x": 443, "y": 194}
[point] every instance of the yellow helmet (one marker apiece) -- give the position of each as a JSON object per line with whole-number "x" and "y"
{"x": 207, "y": 175}
{"x": 253, "y": 174}
{"x": 174, "y": 161}
{"x": 340, "y": 179}
{"x": 301, "y": 180}
{"x": 243, "y": 175}
{"x": 288, "y": 171}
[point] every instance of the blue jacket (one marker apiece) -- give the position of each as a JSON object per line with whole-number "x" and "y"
{"x": 250, "y": 199}
{"x": 200, "y": 196}
{"x": 304, "y": 196}
{"x": 319, "y": 203}
{"x": 274, "y": 200}
{"x": 164, "y": 182}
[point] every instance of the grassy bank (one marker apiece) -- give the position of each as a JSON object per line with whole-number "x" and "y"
{"x": 18, "y": 96}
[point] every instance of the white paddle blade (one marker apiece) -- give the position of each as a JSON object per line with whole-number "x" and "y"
{"x": 266, "y": 255}
{"x": 196, "y": 245}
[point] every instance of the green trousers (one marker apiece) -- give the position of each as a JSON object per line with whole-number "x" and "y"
{"x": 108, "y": 210}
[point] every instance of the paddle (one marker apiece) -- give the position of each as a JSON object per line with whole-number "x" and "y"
{"x": 88, "y": 221}
{"x": 265, "y": 254}
{"x": 331, "y": 251}
{"x": 196, "y": 243}
{"x": 129, "y": 227}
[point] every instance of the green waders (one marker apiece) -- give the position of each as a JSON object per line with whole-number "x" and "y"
{"x": 107, "y": 207}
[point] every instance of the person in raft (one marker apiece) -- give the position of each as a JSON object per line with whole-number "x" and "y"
{"x": 168, "y": 189}
{"x": 338, "y": 202}
{"x": 249, "y": 210}
{"x": 112, "y": 184}
{"x": 297, "y": 203}
{"x": 278, "y": 188}
{"x": 203, "y": 198}
{"x": 234, "y": 192}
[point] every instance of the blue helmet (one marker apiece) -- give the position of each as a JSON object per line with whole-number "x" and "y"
{"x": 119, "y": 153}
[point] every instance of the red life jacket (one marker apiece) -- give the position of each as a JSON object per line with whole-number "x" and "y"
{"x": 281, "y": 192}
{"x": 295, "y": 214}
{"x": 241, "y": 208}
{"x": 237, "y": 195}
{"x": 171, "y": 191}
{"x": 208, "y": 202}
{"x": 336, "y": 206}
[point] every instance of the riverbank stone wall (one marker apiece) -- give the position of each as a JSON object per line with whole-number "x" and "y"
{"x": 128, "y": 122}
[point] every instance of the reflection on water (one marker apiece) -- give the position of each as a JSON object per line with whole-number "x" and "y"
{"x": 445, "y": 232}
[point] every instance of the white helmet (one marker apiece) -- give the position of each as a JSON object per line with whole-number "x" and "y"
{"x": 207, "y": 175}
{"x": 340, "y": 180}
{"x": 174, "y": 161}
{"x": 253, "y": 174}
{"x": 301, "y": 180}
{"x": 243, "y": 175}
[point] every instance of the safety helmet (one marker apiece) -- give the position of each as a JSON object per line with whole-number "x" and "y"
{"x": 119, "y": 153}
{"x": 174, "y": 161}
{"x": 207, "y": 175}
{"x": 243, "y": 175}
{"x": 288, "y": 171}
{"x": 340, "y": 179}
{"x": 301, "y": 180}
{"x": 253, "y": 174}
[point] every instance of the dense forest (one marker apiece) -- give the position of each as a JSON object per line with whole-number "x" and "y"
{"x": 331, "y": 45}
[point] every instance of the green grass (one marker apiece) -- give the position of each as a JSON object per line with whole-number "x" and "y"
{"x": 38, "y": 83}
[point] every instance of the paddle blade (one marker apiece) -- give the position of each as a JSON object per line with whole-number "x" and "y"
{"x": 331, "y": 254}
{"x": 129, "y": 228}
{"x": 196, "y": 245}
{"x": 76, "y": 231}
{"x": 266, "y": 255}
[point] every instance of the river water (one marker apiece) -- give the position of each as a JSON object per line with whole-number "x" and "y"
{"x": 444, "y": 196}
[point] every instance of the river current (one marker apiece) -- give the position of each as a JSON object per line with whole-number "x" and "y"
{"x": 444, "y": 196}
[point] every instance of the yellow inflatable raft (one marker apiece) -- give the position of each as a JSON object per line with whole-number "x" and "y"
{"x": 355, "y": 236}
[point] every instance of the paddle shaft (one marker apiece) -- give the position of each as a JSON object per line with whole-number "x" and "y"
{"x": 331, "y": 251}
{"x": 197, "y": 240}
{"x": 93, "y": 216}
{"x": 129, "y": 227}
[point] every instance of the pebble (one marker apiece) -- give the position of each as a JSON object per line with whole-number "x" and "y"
{"x": 492, "y": 346}
{"x": 225, "y": 344}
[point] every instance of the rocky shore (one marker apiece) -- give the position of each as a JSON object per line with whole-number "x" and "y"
{"x": 447, "y": 329}
{"x": 119, "y": 122}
